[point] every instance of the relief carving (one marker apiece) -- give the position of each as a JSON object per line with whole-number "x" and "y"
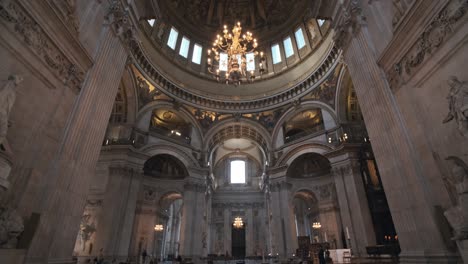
{"x": 457, "y": 215}
{"x": 11, "y": 227}
{"x": 458, "y": 105}
{"x": 30, "y": 33}
{"x": 7, "y": 99}
{"x": 428, "y": 42}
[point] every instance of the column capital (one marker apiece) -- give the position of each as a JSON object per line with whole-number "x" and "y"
{"x": 121, "y": 22}
{"x": 349, "y": 22}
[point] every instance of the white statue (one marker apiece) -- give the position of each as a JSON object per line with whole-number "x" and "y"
{"x": 11, "y": 226}
{"x": 458, "y": 215}
{"x": 458, "y": 104}
{"x": 7, "y": 99}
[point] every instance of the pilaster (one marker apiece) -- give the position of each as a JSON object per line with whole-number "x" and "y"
{"x": 410, "y": 200}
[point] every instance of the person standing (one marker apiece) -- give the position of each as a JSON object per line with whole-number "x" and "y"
{"x": 144, "y": 255}
{"x": 321, "y": 256}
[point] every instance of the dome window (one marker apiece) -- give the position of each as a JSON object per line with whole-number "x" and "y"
{"x": 196, "y": 55}
{"x": 276, "y": 54}
{"x": 300, "y": 41}
{"x": 172, "y": 41}
{"x": 288, "y": 48}
{"x": 184, "y": 47}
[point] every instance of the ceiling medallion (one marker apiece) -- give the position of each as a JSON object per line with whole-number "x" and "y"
{"x": 238, "y": 222}
{"x": 234, "y": 55}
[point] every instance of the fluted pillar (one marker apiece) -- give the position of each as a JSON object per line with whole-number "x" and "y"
{"x": 68, "y": 176}
{"x": 114, "y": 231}
{"x": 354, "y": 208}
{"x": 408, "y": 194}
{"x": 192, "y": 220}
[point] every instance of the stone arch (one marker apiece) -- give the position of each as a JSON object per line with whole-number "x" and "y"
{"x": 312, "y": 147}
{"x": 165, "y": 166}
{"x": 144, "y": 116}
{"x": 173, "y": 150}
{"x": 306, "y": 105}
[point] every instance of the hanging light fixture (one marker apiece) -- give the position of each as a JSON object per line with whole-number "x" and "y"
{"x": 232, "y": 57}
{"x": 316, "y": 225}
{"x": 238, "y": 222}
{"x": 158, "y": 228}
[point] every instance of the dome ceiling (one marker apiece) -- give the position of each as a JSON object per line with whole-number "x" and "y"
{"x": 208, "y": 16}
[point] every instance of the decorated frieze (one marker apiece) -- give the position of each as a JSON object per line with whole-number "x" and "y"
{"x": 17, "y": 20}
{"x": 429, "y": 41}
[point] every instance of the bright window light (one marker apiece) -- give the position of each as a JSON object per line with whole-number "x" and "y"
{"x": 184, "y": 47}
{"x": 172, "y": 41}
{"x": 300, "y": 41}
{"x": 250, "y": 57}
{"x": 223, "y": 61}
{"x": 276, "y": 54}
{"x": 196, "y": 55}
{"x": 237, "y": 171}
{"x": 288, "y": 48}
{"x": 320, "y": 21}
{"x": 151, "y": 21}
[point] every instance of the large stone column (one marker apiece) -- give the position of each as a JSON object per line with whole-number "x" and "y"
{"x": 115, "y": 228}
{"x": 227, "y": 231}
{"x": 356, "y": 218}
{"x": 68, "y": 177}
{"x": 249, "y": 232}
{"x": 408, "y": 194}
{"x": 192, "y": 219}
{"x": 287, "y": 213}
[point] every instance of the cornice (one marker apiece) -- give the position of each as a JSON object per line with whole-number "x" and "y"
{"x": 429, "y": 24}
{"x": 188, "y": 96}
{"x": 26, "y": 23}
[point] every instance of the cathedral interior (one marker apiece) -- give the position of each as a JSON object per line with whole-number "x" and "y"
{"x": 233, "y": 132}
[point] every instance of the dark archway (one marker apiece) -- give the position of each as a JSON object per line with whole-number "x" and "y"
{"x": 165, "y": 166}
{"x": 309, "y": 165}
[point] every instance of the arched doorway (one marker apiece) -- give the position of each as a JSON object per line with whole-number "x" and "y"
{"x": 306, "y": 212}
{"x": 167, "y": 226}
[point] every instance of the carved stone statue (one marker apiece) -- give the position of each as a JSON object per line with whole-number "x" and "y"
{"x": 87, "y": 229}
{"x": 7, "y": 99}
{"x": 458, "y": 215}
{"x": 458, "y": 104}
{"x": 11, "y": 227}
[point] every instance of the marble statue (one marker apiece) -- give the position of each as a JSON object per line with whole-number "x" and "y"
{"x": 11, "y": 227}
{"x": 7, "y": 99}
{"x": 458, "y": 215}
{"x": 458, "y": 104}
{"x": 87, "y": 229}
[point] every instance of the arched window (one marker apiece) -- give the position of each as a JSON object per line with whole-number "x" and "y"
{"x": 237, "y": 171}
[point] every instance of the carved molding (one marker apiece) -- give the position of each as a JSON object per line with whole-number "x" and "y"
{"x": 17, "y": 20}
{"x": 348, "y": 24}
{"x": 223, "y": 205}
{"x": 119, "y": 19}
{"x": 434, "y": 35}
{"x": 158, "y": 79}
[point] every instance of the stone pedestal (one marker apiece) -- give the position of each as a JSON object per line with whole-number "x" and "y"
{"x": 12, "y": 256}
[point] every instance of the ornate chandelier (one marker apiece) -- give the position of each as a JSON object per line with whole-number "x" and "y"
{"x": 238, "y": 222}
{"x": 234, "y": 55}
{"x": 316, "y": 225}
{"x": 158, "y": 228}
